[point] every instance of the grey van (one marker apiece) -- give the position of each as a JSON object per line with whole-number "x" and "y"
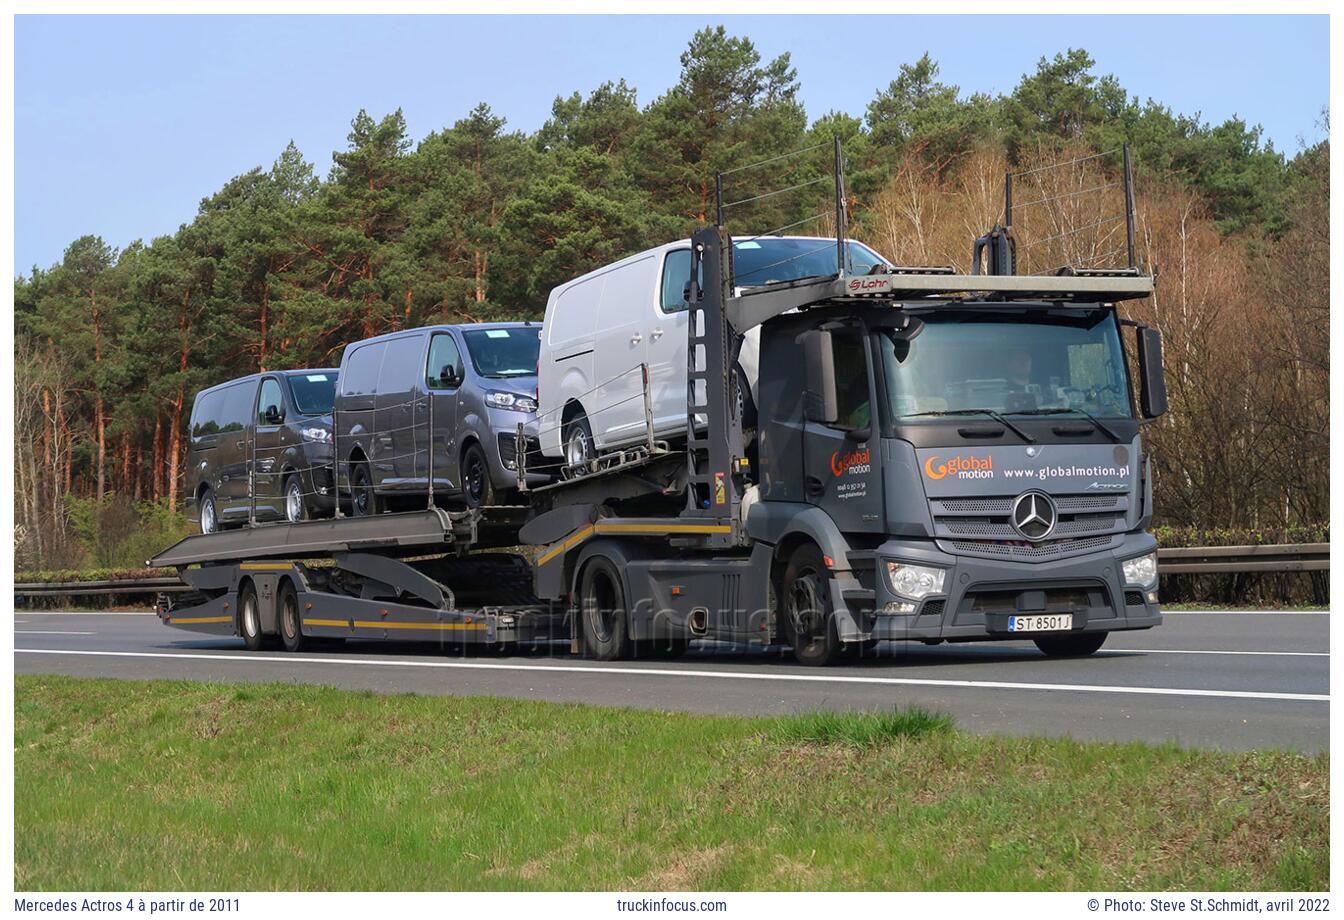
{"x": 271, "y": 429}
{"x": 470, "y": 385}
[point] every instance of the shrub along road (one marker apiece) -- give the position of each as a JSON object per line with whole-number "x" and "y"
{"x": 1228, "y": 680}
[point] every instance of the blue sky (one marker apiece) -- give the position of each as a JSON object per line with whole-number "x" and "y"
{"x": 123, "y": 124}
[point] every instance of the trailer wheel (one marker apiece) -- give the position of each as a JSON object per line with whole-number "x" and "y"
{"x": 1079, "y": 646}
{"x": 808, "y": 621}
{"x": 287, "y": 610}
{"x": 249, "y": 617}
{"x": 603, "y": 612}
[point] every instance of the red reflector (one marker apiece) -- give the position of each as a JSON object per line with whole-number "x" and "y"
{"x": 830, "y": 563}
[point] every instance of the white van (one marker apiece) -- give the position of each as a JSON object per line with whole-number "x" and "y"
{"x": 602, "y": 327}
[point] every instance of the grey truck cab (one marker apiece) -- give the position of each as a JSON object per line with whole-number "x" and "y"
{"x": 436, "y": 408}
{"x": 260, "y": 449}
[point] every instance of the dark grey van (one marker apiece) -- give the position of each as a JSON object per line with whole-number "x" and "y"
{"x": 273, "y": 429}
{"x": 472, "y": 384}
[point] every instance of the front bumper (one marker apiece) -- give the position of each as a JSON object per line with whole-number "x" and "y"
{"x": 981, "y": 594}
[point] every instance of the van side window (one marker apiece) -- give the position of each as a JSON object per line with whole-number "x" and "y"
{"x": 676, "y": 272}
{"x": 360, "y": 375}
{"x": 443, "y": 355}
{"x": 205, "y": 417}
{"x": 399, "y": 363}
{"x": 237, "y": 408}
{"x": 270, "y": 396}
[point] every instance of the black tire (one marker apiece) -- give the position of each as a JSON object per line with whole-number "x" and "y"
{"x": 296, "y": 505}
{"x": 577, "y": 445}
{"x": 477, "y": 489}
{"x": 745, "y": 404}
{"x": 289, "y": 619}
{"x": 209, "y": 512}
{"x": 606, "y": 631}
{"x": 1079, "y": 646}
{"x": 809, "y": 622}
{"x": 249, "y": 618}
{"x": 363, "y": 497}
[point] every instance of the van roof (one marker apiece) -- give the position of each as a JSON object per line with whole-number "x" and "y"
{"x": 438, "y": 327}
{"x": 289, "y": 372}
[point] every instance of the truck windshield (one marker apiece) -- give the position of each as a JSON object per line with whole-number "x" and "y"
{"x": 314, "y": 391}
{"x": 768, "y": 259}
{"x": 504, "y": 352}
{"x": 1011, "y": 362}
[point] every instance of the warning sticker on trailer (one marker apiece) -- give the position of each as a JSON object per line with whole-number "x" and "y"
{"x": 720, "y": 490}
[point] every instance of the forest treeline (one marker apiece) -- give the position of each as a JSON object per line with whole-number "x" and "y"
{"x": 283, "y": 265}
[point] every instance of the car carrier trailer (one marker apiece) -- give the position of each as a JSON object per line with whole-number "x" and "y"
{"x": 947, "y": 524}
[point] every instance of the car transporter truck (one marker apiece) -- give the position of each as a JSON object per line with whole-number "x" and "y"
{"x": 936, "y": 457}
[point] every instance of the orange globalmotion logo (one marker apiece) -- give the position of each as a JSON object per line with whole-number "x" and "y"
{"x": 957, "y": 464}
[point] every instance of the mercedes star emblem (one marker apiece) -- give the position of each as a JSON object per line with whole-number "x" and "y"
{"x": 1034, "y": 515}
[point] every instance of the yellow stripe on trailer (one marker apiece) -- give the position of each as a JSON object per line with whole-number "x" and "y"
{"x": 266, "y": 566}
{"x": 628, "y": 528}
{"x": 382, "y": 624}
{"x": 173, "y": 621}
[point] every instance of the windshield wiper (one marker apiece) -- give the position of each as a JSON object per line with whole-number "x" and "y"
{"x": 1083, "y": 412}
{"x": 990, "y": 412}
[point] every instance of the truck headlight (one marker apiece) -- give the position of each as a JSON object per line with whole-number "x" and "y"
{"x": 915, "y": 581}
{"x": 511, "y": 401}
{"x": 1141, "y": 570}
{"x": 321, "y": 435}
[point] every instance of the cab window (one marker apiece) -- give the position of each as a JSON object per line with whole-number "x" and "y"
{"x": 444, "y": 360}
{"x": 270, "y": 396}
{"x": 852, "y": 398}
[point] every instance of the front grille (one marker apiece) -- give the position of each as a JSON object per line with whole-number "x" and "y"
{"x": 1033, "y": 553}
{"x": 933, "y": 608}
{"x": 508, "y": 450}
{"x": 1080, "y": 516}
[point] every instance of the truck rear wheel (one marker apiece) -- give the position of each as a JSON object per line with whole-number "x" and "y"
{"x": 809, "y": 623}
{"x": 249, "y": 617}
{"x": 603, "y": 611}
{"x": 1079, "y": 646}
{"x": 287, "y": 615}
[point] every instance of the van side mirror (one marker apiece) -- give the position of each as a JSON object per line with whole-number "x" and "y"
{"x": 273, "y": 415}
{"x": 1153, "y": 383}
{"x": 448, "y": 376}
{"x": 819, "y": 401}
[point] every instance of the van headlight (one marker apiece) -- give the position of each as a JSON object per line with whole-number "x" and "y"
{"x": 320, "y": 435}
{"x": 915, "y": 581}
{"x": 511, "y": 401}
{"x": 1141, "y": 570}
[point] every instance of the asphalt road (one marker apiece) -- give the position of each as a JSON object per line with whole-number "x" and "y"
{"x": 1229, "y": 680}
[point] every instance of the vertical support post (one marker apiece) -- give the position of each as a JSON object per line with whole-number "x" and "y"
{"x": 252, "y": 476}
{"x": 648, "y": 409}
{"x": 336, "y": 456}
{"x": 429, "y": 442}
{"x": 1008, "y": 201}
{"x": 840, "y": 228}
{"x": 1129, "y": 207}
{"x": 718, "y": 199}
{"x": 520, "y": 458}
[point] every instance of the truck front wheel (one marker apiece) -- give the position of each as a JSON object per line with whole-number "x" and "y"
{"x": 603, "y": 611}
{"x": 1079, "y": 646}
{"x": 808, "y": 621}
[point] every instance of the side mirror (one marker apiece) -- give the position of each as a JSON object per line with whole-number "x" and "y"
{"x": 819, "y": 402}
{"x": 448, "y": 376}
{"x": 273, "y": 415}
{"x": 1153, "y": 383}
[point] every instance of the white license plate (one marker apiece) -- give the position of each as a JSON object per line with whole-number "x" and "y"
{"x": 1048, "y": 622}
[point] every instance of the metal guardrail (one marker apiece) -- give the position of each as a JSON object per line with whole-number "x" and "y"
{"x": 1175, "y": 560}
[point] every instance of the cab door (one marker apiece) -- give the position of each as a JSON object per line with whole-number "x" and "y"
{"x": 269, "y": 450}
{"x": 443, "y": 374}
{"x": 840, "y": 460}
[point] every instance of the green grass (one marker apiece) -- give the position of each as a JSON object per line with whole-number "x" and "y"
{"x": 177, "y": 785}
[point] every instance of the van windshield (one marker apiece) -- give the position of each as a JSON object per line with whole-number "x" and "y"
{"x": 504, "y": 352}
{"x": 768, "y": 259}
{"x": 315, "y": 392}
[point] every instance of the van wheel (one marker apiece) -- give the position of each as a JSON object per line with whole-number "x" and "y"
{"x": 1079, "y": 646}
{"x": 746, "y": 408}
{"x": 296, "y": 508}
{"x": 578, "y": 443}
{"x": 287, "y": 610}
{"x": 249, "y": 618}
{"x": 602, "y": 607}
{"x": 809, "y": 623}
{"x": 363, "y": 498}
{"x": 477, "y": 488}
{"x": 209, "y": 512}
